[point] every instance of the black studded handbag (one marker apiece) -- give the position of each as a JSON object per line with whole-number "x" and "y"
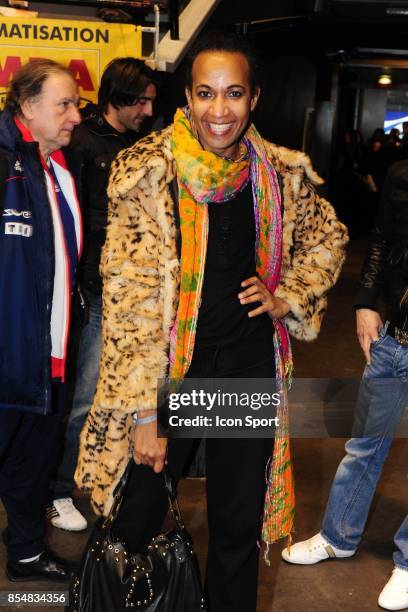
{"x": 164, "y": 578}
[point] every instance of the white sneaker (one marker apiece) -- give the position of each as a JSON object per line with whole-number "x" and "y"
{"x": 394, "y": 595}
{"x": 313, "y": 550}
{"x": 63, "y": 514}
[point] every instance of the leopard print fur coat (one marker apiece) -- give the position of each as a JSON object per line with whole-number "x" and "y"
{"x": 140, "y": 271}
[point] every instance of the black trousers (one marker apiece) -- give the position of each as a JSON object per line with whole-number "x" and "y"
{"x": 235, "y": 488}
{"x": 27, "y": 457}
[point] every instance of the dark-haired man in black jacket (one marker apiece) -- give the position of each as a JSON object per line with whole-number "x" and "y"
{"x": 125, "y": 100}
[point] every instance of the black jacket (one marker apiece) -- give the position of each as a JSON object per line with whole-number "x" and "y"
{"x": 98, "y": 143}
{"x": 385, "y": 270}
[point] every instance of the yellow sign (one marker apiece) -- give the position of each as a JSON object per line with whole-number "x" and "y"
{"x": 86, "y": 47}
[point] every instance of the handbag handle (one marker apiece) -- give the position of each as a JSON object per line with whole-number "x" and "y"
{"x": 171, "y": 488}
{"x": 118, "y": 493}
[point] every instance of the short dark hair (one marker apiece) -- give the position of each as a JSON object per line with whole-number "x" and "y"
{"x": 29, "y": 80}
{"x": 221, "y": 41}
{"x": 123, "y": 81}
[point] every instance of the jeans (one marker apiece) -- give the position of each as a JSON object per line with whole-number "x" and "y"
{"x": 381, "y": 402}
{"x": 87, "y": 373}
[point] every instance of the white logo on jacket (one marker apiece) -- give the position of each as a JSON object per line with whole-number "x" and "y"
{"x": 18, "y": 229}
{"x": 10, "y": 212}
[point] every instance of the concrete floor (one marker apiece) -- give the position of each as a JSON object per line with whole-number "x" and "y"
{"x": 335, "y": 586}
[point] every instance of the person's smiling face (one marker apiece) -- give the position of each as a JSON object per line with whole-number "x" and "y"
{"x": 221, "y": 100}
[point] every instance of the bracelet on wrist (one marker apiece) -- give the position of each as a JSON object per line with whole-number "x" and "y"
{"x": 144, "y": 420}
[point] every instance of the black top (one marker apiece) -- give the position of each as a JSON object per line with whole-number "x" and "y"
{"x": 230, "y": 259}
{"x": 385, "y": 269}
{"x": 98, "y": 143}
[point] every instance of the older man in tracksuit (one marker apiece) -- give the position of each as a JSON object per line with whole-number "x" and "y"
{"x": 40, "y": 244}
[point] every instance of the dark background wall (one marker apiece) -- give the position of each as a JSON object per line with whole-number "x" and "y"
{"x": 373, "y": 106}
{"x": 288, "y": 91}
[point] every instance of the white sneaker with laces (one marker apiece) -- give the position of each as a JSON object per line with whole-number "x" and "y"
{"x": 63, "y": 514}
{"x": 394, "y": 595}
{"x": 313, "y": 550}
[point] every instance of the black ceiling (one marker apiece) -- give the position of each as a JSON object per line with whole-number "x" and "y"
{"x": 319, "y": 23}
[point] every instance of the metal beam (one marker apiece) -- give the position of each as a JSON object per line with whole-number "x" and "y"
{"x": 191, "y": 21}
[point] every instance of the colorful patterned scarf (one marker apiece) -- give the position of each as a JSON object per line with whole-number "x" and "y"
{"x": 204, "y": 177}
